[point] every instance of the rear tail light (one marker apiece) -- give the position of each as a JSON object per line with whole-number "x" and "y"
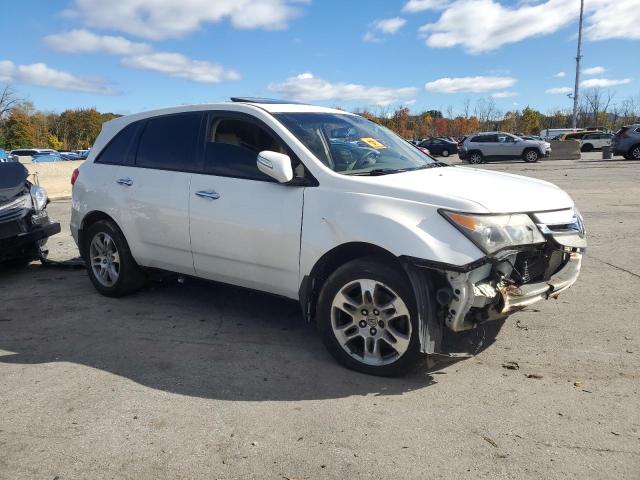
{"x": 74, "y": 176}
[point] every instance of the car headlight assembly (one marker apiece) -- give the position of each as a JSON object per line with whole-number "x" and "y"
{"x": 495, "y": 232}
{"x": 39, "y": 197}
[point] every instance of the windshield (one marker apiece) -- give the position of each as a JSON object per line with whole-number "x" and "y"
{"x": 353, "y": 145}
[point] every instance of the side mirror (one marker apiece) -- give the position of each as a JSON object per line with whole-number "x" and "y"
{"x": 276, "y": 165}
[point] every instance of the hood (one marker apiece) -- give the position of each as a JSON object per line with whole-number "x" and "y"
{"x": 472, "y": 189}
{"x": 12, "y": 180}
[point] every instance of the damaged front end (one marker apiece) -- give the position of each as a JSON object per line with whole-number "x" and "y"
{"x": 507, "y": 280}
{"x": 24, "y": 222}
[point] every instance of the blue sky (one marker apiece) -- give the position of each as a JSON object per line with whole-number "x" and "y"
{"x": 131, "y": 55}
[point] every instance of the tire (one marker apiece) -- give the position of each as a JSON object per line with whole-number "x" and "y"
{"x": 587, "y": 147}
{"x": 357, "y": 334}
{"x": 634, "y": 152}
{"x": 531, "y": 155}
{"x": 114, "y": 273}
{"x": 475, "y": 157}
{"x": 445, "y": 153}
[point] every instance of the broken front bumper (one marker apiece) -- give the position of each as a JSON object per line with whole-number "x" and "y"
{"x": 515, "y": 298}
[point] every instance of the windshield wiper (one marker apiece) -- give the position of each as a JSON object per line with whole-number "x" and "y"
{"x": 387, "y": 171}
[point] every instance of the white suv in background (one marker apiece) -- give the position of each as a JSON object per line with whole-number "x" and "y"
{"x": 383, "y": 246}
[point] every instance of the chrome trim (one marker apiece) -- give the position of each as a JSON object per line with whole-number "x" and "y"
{"x": 210, "y": 195}
{"x": 127, "y": 182}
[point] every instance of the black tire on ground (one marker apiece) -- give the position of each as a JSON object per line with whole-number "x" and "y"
{"x": 634, "y": 152}
{"x": 445, "y": 153}
{"x": 587, "y": 147}
{"x": 370, "y": 268}
{"x": 530, "y": 155}
{"x": 130, "y": 278}
{"x": 475, "y": 157}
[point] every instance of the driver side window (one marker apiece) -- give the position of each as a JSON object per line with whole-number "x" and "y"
{"x": 232, "y": 148}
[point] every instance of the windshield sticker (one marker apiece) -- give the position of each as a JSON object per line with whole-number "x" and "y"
{"x": 373, "y": 143}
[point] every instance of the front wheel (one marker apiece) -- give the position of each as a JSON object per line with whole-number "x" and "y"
{"x": 445, "y": 153}
{"x": 111, "y": 267}
{"x": 368, "y": 319}
{"x": 634, "y": 152}
{"x": 531, "y": 156}
{"x": 475, "y": 158}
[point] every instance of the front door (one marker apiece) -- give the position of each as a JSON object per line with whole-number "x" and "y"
{"x": 245, "y": 227}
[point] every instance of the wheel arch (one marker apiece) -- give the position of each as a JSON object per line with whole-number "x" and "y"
{"x": 313, "y": 282}
{"x": 88, "y": 220}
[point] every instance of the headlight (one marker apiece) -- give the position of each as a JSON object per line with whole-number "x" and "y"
{"x": 495, "y": 232}
{"x": 39, "y": 196}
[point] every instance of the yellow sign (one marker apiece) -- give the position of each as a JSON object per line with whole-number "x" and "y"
{"x": 373, "y": 143}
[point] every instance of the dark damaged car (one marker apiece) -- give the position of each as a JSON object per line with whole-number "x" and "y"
{"x": 24, "y": 222}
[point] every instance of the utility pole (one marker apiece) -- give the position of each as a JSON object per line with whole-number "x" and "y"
{"x": 576, "y": 88}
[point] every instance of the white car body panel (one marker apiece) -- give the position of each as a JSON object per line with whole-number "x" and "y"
{"x": 249, "y": 236}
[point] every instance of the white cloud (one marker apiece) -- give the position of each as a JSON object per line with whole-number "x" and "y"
{"x": 594, "y": 70}
{"x": 389, "y": 25}
{"x": 484, "y": 25}
{"x": 603, "y": 82}
{"x": 560, "y": 75}
{"x": 141, "y": 56}
{"x": 44, "y": 76}
{"x": 84, "y": 41}
{"x": 469, "y": 84}
{"x": 180, "y": 66}
{"x": 413, "y": 6}
{"x": 559, "y": 90}
{"x": 157, "y": 19}
{"x": 306, "y": 88}
{"x": 504, "y": 94}
{"x": 609, "y": 19}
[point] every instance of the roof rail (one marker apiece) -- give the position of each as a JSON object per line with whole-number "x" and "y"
{"x": 261, "y": 100}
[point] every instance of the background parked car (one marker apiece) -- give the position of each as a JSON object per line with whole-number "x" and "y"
{"x": 595, "y": 141}
{"x": 45, "y": 157}
{"x": 6, "y": 157}
{"x": 626, "y": 142}
{"x": 439, "y": 146}
{"x": 486, "y": 146}
{"x": 577, "y": 135}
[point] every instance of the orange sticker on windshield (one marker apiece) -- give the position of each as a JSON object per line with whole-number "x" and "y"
{"x": 373, "y": 143}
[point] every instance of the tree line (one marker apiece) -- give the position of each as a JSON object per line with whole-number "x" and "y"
{"x": 22, "y": 125}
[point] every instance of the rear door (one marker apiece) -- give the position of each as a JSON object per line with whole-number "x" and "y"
{"x": 152, "y": 193}
{"x": 245, "y": 227}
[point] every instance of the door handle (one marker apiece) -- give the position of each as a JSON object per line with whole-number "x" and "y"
{"x": 210, "y": 195}
{"x": 127, "y": 182}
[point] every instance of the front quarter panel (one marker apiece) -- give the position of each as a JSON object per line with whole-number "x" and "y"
{"x": 402, "y": 227}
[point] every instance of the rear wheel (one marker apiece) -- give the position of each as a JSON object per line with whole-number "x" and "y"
{"x": 445, "y": 153}
{"x": 367, "y": 318}
{"x": 531, "y": 155}
{"x": 587, "y": 147}
{"x": 111, "y": 268}
{"x": 475, "y": 158}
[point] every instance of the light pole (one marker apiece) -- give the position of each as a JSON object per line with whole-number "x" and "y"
{"x": 576, "y": 87}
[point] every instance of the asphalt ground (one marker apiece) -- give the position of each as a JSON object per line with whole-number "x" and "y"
{"x": 204, "y": 381}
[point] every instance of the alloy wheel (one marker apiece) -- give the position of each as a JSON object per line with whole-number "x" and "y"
{"x": 371, "y": 322}
{"x": 635, "y": 153}
{"x": 531, "y": 156}
{"x": 105, "y": 259}
{"x": 475, "y": 158}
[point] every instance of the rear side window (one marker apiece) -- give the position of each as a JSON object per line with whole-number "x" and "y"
{"x": 232, "y": 148}
{"x": 118, "y": 151}
{"x": 170, "y": 143}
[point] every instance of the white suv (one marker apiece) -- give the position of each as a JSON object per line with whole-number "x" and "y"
{"x": 382, "y": 245}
